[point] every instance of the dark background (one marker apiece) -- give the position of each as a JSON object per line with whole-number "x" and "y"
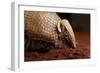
{"x": 79, "y": 22}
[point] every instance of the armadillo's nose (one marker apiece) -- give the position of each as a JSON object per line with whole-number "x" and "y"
{"x": 69, "y": 30}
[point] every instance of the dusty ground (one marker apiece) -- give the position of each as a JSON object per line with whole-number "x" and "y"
{"x": 81, "y": 52}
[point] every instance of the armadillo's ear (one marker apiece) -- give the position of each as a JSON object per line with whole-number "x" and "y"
{"x": 69, "y": 30}
{"x": 60, "y": 27}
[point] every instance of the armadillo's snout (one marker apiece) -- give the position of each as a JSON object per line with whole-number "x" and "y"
{"x": 69, "y": 32}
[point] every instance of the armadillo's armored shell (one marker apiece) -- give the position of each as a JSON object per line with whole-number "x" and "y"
{"x": 41, "y": 25}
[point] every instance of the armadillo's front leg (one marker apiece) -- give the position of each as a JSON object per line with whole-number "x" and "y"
{"x": 70, "y": 34}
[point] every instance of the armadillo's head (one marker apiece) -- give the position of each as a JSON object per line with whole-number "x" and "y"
{"x": 66, "y": 34}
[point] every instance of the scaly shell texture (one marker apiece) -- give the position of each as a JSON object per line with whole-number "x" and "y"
{"x": 41, "y": 25}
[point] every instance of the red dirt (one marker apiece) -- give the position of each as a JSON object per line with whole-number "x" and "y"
{"x": 81, "y": 52}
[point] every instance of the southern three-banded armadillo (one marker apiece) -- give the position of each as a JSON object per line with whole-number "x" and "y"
{"x": 49, "y": 27}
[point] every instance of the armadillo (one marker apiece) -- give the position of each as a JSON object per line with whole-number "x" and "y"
{"x": 48, "y": 27}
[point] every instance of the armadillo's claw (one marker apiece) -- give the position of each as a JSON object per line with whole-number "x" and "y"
{"x": 70, "y": 33}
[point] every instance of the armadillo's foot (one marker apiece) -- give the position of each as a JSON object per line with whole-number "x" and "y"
{"x": 40, "y": 46}
{"x": 69, "y": 32}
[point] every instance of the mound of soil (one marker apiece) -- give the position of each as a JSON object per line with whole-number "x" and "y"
{"x": 81, "y": 52}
